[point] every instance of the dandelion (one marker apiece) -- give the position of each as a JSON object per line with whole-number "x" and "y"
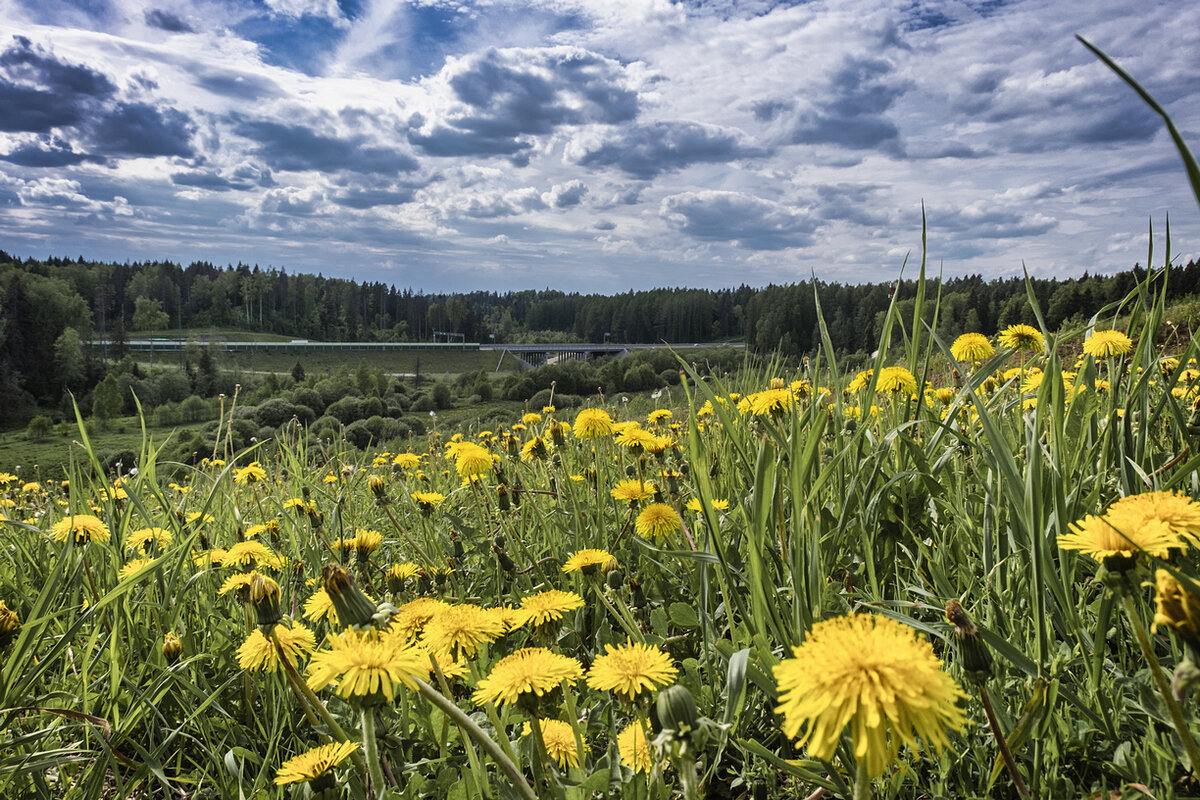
{"x": 85, "y": 528}
{"x": 368, "y": 663}
{"x": 10, "y": 623}
{"x": 172, "y": 647}
{"x": 637, "y": 439}
{"x": 1106, "y": 344}
{"x": 588, "y": 560}
{"x": 694, "y": 505}
{"x": 428, "y": 501}
{"x": 559, "y": 738}
{"x": 470, "y": 459}
{"x": 860, "y": 381}
{"x": 535, "y": 448}
{"x": 633, "y": 490}
{"x": 258, "y": 653}
{"x": 543, "y": 607}
{"x": 658, "y": 521}
{"x": 1022, "y": 337}
{"x": 631, "y": 744}
{"x": 461, "y": 628}
{"x": 143, "y": 537}
{"x": 593, "y": 423}
{"x": 896, "y": 380}
{"x": 1153, "y": 523}
{"x": 411, "y": 618}
{"x": 770, "y": 401}
{"x": 133, "y": 567}
{"x": 315, "y": 764}
{"x": 252, "y": 473}
{"x": 529, "y": 671}
{"x": 407, "y": 460}
{"x": 630, "y": 669}
{"x": 972, "y": 347}
{"x": 531, "y": 418}
{"x": 251, "y": 553}
{"x": 875, "y": 674}
{"x": 1177, "y": 608}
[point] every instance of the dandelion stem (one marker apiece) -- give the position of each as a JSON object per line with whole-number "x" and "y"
{"x": 475, "y": 732}
{"x": 1010, "y": 763}
{"x": 371, "y": 749}
{"x": 1160, "y": 680}
{"x": 862, "y": 783}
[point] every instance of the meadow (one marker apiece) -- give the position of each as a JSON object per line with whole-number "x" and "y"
{"x": 967, "y": 571}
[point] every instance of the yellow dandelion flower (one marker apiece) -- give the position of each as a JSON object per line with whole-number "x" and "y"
{"x": 461, "y": 628}
{"x": 271, "y": 526}
{"x": 252, "y": 473}
{"x": 320, "y": 606}
{"x": 657, "y": 521}
{"x": 85, "y": 528}
{"x": 535, "y": 448}
{"x": 559, "y": 738}
{"x": 407, "y": 460}
{"x": 251, "y": 553}
{"x": 363, "y": 663}
{"x": 593, "y": 423}
{"x": 1122, "y": 531}
{"x": 1022, "y": 337}
{"x": 531, "y": 418}
{"x": 636, "y": 438}
{"x": 1106, "y": 344}
{"x": 632, "y": 490}
{"x": 972, "y": 347}
{"x": 258, "y": 653}
{"x": 143, "y": 537}
{"x": 235, "y": 582}
{"x": 471, "y": 459}
{"x": 875, "y": 674}
{"x": 860, "y": 381}
{"x": 532, "y": 670}
{"x": 630, "y": 669}
{"x": 694, "y": 505}
{"x": 658, "y": 415}
{"x": 547, "y": 606}
{"x": 314, "y": 764}
{"x": 896, "y": 380}
{"x": 631, "y": 744}
{"x": 411, "y": 618}
{"x": 769, "y": 401}
{"x": 582, "y": 560}
{"x": 133, "y": 567}
{"x": 1177, "y": 608}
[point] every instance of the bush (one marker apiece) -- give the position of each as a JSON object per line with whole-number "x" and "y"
{"x": 346, "y": 410}
{"x": 441, "y": 396}
{"x": 39, "y": 427}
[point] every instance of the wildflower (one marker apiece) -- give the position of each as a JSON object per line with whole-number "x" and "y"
{"x": 397, "y": 574}
{"x": 471, "y": 459}
{"x": 694, "y": 505}
{"x": 631, "y": 744}
{"x": 143, "y": 537}
{"x": 85, "y": 527}
{"x": 630, "y": 669}
{"x": 875, "y": 674}
{"x": 253, "y": 473}
{"x": 535, "y": 448}
{"x": 531, "y": 418}
{"x": 559, "y": 738}
{"x": 972, "y": 347}
{"x": 172, "y": 647}
{"x": 462, "y": 628}
{"x": 896, "y": 380}
{"x": 315, "y": 764}
{"x": 633, "y": 490}
{"x": 244, "y": 554}
{"x": 33, "y": 487}
{"x": 354, "y": 608}
{"x": 318, "y": 607}
{"x": 407, "y": 460}
{"x": 658, "y": 521}
{"x": 1022, "y": 337}
{"x": 1177, "y": 608}
{"x": 367, "y": 663}
{"x": 546, "y": 606}
{"x": 529, "y": 671}
{"x": 235, "y": 583}
{"x": 1106, "y": 344}
{"x": 770, "y": 401}
{"x": 658, "y": 415}
{"x": 860, "y": 381}
{"x": 133, "y": 567}
{"x": 411, "y": 618}
{"x": 428, "y": 501}
{"x": 258, "y": 652}
{"x": 1153, "y": 522}
{"x": 586, "y": 561}
{"x": 636, "y": 438}
{"x": 10, "y": 623}
{"x": 593, "y": 423}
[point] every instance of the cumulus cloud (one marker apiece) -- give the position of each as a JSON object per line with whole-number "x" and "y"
{"x": 852, "y": 115}
{"x": 298, "y": 148}
{"x": 40, "y": 93}
{"x": 739, "y": 219}
{"x": 565, "y": 195}
{"x": 647, "y": 150}
{"x": 503, "y": 98}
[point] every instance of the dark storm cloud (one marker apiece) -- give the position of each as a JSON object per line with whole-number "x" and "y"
{"x": 744, "y": 220}
{"x": 515, "y": 94}
{"x": 140, "y": 129}
{"x": 297, "y": 148}
{"x": 860, "y": 91}
{"x": 644, "y": 151}
{"x": 39, "y": 93}
{"x": 165, "y": 20}
{"x": 53, "y": 153}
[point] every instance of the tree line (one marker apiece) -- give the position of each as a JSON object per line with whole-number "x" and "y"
{"x": 52, "y": 308}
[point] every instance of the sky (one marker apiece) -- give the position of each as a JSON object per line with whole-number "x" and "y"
{"x": 597, "y": 145}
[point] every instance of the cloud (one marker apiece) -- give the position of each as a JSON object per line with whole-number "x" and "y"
{"x": 852, "y": 116}
{"x": 39, "y": 93}
{"x": 502, "y": 98}
{"x": 52, "y": 152}
{"x": 645, "y": 151}
{"x": 565, "y": 195}
{"x": 298, "y": 148}
{"x": 140, "y": 129}
{"x": 740, "y": 219}
{"x": 166, "y": 21}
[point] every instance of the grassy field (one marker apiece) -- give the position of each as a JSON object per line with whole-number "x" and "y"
{"x": 431, "y": 362}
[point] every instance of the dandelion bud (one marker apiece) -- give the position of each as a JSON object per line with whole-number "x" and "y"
{"x": 264, "y": 595}
{"x": 172, "y": 648}
{"x": 375, "y": 484}
{"x": 677, "y": 710}
{"x": 10, "y": 623}
{"x": 354, "y": 609}
{"x": 1175, "y": 607}
{"x": 517, "y": 488}
{"x": 502, "y": 497}
{"x": 976, "y": 659}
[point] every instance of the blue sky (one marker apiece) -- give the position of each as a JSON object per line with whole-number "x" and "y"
{"x": 595, "y": 145}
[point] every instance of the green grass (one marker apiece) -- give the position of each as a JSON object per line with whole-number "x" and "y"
{"x": 201, "y": 335}
{"x": 53, "y": 454}
{"x": 431, "y": 362}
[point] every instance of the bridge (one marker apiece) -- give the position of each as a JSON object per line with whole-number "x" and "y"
{"x": 532, "y": 355}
